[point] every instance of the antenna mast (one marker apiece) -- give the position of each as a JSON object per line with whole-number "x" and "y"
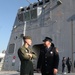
{"x": 28, "y": 1}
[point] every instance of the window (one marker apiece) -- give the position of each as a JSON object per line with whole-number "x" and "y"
{"x": 20, "y": 17}
{"x": 11, "y": 48}
{"x": 28, "y": 8}
{"x": 22, "y": 9}
{"x": 35, "y": 5}
{"x": 27, "y": 16}
{"x": 40, "y": 2}
{"x": 33, "y": 13}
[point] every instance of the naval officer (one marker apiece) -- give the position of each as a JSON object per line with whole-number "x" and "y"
{"x": 26, "y": 55}
{"x": 48, "y": 58}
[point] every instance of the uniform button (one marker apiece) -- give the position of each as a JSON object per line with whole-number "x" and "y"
{"x": 45, "y": 57}
{"x": 46, "y": 64}
{"x": 45, "y": 61}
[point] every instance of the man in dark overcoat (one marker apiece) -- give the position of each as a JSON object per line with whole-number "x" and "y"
{"x": 48, "y": 58}
{"x": 26, "y": 55}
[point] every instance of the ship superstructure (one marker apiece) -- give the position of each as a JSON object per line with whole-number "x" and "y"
{"x": 52, "y": 18}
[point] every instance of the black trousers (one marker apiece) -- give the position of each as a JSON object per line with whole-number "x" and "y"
{"x": 63, "y": 67}
{"x": 69, "y": 69}
{"x": 43, "y": 73}
{"x": 28, "y": 69}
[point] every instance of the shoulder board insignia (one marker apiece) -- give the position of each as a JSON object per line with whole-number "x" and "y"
{"x": 57, "y": 50}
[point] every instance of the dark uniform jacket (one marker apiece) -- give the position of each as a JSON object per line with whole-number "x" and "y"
{"x": 26, "y": 63}
{"x": 48, "y": 60}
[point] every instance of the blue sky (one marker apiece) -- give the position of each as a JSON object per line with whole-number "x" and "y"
{"x": 8, "y": 11}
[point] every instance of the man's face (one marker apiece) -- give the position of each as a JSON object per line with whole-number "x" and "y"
{"x": 47, "y": 43}
{"x": 28, "y": 41}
